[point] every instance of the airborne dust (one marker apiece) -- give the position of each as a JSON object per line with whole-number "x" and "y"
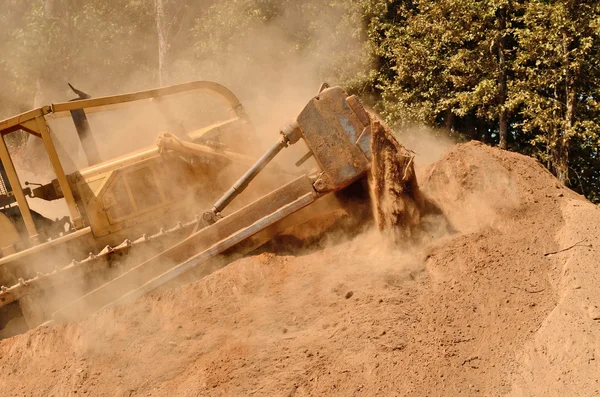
{"x": 491, "y": 309}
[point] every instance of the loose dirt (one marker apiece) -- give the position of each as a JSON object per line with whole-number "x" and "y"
{"x": 500, "y": 298}
{"x": 396, "y": 198}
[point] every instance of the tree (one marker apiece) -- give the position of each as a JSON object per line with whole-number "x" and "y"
{"x": 521, "y": 74}
{"x": 280, "y": 41}
{"x": 445, "y": 63}
{"x": 169, "y": 17}
{"x": 558, "y": 79}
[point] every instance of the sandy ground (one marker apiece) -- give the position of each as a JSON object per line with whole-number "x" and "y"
{"x": 506, "y": 305}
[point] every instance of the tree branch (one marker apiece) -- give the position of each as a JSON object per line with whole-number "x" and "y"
{"x": 577, "y": 244}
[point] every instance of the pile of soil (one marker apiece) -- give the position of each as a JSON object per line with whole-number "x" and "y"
{"x": 505, "y": 304}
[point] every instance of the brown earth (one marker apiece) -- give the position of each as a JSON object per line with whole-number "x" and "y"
{"x": 396, "y": 199}
{"x": 505, "y": 305}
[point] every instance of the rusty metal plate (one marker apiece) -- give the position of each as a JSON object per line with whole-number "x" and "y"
{"x": 330, "y": 128}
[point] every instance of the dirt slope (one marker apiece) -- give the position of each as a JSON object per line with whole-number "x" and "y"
{"x": 491, "y": 309}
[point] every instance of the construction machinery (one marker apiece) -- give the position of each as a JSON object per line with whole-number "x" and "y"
{"x": 168, "y": 206}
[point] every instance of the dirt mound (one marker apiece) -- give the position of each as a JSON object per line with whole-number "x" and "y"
{"x": 506, "y": 305}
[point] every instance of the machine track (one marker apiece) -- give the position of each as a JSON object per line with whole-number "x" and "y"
{"x": 61, "y": 275}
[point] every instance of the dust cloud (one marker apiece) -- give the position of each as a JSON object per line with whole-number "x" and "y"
{"x": 263, "y": 68}
{"x": 262, "y": 64}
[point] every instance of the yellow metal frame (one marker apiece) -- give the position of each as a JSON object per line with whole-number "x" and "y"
{"x": 113, "y": 178}
{"x": 13, "y": 178}
{"x": 115, "y": 101}
{"x": 34, "y": 122}
{"x": 44, "y": 131}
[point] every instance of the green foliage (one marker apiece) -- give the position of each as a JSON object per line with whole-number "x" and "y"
{"x": 556, "y": 87}
{"x": 442, "y": 63}
{"x": 439, "y": 63}
{"x": 471, "y": 68}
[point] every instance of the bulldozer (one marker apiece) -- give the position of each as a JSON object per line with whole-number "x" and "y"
{"x": 192, "y": 202}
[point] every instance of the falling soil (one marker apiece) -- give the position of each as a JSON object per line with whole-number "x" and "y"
{"x": 395, "y": 195}
{"x": 506, "y": 305}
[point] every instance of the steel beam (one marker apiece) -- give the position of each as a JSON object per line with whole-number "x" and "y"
{"x": 43, "y": 129}
{"x": 203, "y": 86}
{"x": 13, "y": 178}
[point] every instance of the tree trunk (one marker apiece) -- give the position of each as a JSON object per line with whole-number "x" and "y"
{"x": 51, "y": 82}
{"x": 503, "y": 89}
{"x": 161, "y": 31}
{"x": 48, "y": 87}
{"x": 503, "y": 129}
{"x": 561, "y": 157}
